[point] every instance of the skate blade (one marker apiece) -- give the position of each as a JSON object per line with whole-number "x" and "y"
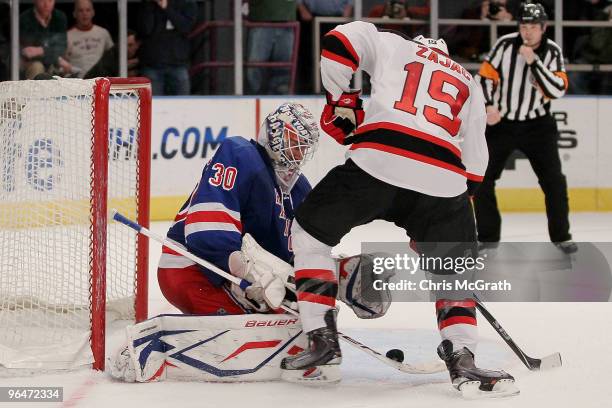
{"x": 320, "y": 375}
{"x": 501, "y": 389}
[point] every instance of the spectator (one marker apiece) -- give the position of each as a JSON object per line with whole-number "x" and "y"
{"x": 575, "y": 38}
{"x": 390, "y": 8}
{"x": 594, "y": 48}
{"x": 307, "y": 10}
{"x": 470, "y": 42}
{"x": 270, "y": 44}
{"x": 598, "y": 49}
{"x": 87, "y": 42}
{"x": 164, "y": 53}
{"x": 403, "y": 9}
{"x": 310, "y": 8}
{"x": 584, "y": 9}
{"x": 419, "y": 9}
{"x": 42, "y": 31}
{"x": 108, "y": 64}
{"x": 495, "y": 10}
{"x": 133, "y": 45}
{"x": 452, "y": 8}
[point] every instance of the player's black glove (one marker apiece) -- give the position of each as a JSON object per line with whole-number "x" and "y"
{"x": 340, "y": 118}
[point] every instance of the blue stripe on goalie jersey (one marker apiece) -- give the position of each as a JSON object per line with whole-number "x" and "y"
{"x": 253, "y": 196}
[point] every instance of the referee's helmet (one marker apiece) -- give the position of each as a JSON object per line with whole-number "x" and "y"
{"x": 532, "y": 13}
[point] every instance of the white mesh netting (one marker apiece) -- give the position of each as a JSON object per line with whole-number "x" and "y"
{"x": 46, "y": 136}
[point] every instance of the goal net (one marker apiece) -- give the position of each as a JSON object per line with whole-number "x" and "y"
{"x": 70, "y": 150}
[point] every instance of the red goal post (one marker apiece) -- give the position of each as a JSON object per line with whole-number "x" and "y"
{"x": 99, "y": 215}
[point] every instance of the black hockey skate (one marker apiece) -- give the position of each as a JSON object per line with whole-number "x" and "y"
{"x": 567, "y": 247}
{"x": 321, "y": 362}
{"x": 471, "y": 381}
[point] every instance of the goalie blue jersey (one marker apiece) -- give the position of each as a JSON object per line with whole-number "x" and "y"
{"x": 237, "y": 194}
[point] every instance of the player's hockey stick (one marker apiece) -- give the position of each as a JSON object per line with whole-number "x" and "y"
{"x": 534, "y": 364}
{"x": 423, "y": 368}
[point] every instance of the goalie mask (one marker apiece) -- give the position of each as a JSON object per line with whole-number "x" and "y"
{"x": 289, "y": 135}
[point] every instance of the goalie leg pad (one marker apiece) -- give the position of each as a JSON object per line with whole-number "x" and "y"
{"x": 212, "y": 348}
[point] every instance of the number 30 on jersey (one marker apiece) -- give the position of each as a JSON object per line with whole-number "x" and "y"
{"x": 224, "y": 176}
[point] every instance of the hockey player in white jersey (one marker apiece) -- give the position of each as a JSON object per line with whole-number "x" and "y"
{"x": 416, "y": 156}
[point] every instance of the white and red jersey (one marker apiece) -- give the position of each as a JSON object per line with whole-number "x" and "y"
{"x": 424, "y": 126}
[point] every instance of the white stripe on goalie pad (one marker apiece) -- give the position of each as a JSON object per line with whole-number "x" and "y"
{"x": 213, "y": 348}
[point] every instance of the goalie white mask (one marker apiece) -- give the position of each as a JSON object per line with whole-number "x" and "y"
{"x": 290, "y": 136}
{"x": 438, "y": 45}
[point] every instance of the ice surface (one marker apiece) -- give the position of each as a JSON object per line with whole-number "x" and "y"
{"x": 582, "y": 332}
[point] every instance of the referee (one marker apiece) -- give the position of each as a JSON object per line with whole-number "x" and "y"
{"x": 519, "y": 77}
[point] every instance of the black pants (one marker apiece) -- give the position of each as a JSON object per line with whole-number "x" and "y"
{"x": 537, "y": 139}
{"x": 348, "y": 197}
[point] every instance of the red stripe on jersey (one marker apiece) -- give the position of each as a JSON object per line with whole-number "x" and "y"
{"x": 474, "y": 177}
{"x": 166, "y": 250}
{"x": 320, "y": 274}
{"x": 313, "y": 298}
{"x": 339, "y": 59}
{"x": 347, "y": 44}
{"x": 410, "y": 155}
{"x": 410, "y": 132}
{"x": 441, "y": 304}
{"x": 213, "y": 216}
{"x": 457, "y": 320}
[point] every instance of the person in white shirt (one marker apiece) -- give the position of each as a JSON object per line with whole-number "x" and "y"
{"x": 86, "y": 41}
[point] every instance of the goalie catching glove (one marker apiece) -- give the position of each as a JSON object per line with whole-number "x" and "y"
{"x": 267, "y": 273}
{"x": 340, "y": 118}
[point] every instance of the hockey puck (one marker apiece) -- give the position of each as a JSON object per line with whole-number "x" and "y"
{"x": 396, "y": 355}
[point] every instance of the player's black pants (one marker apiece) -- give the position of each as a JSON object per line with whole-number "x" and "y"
{"x": 537, "y": 139}
{"x": 348, "y": 197}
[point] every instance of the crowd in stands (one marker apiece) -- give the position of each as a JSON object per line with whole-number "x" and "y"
{"x": 160, "y": 48}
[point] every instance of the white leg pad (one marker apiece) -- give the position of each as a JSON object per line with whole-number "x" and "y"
{"x": 212, "y": 348}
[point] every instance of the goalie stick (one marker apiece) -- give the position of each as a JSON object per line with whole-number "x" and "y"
{"x": 534, "y": 364}
{"x": 422, "y": 368}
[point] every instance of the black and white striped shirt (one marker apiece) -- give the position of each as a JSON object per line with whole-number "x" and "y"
{"x": 518, "y": 90}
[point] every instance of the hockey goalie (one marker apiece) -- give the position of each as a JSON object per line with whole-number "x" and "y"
{"x": 239, "y": 218}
